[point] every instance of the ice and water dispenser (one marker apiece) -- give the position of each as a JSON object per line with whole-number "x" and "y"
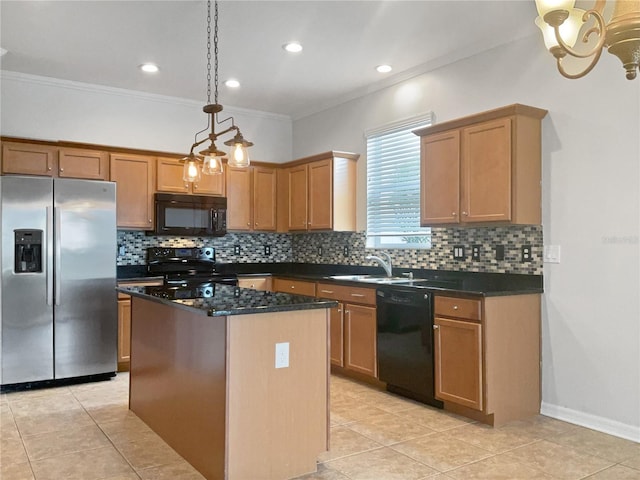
{"x": 28, "y": 251}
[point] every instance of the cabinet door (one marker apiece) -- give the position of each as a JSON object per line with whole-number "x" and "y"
{"x": 264, "y": 199}
{"x": 28, "y": 159}
{"x": 134, "y": 176}
{"x": 440, "y": 178}
{"x": 298, "y": 195}
{"x": 169, "y": 176}
{"x": 486, "y": 172}
{"x": 210, "y": 185}
{"x": 238, "y": 199}
{"x": 360, "y": 339}
{"x": 124, "y": 334}
{"x": 336, "y": 335}
{"x": 321, "y": 195}
{"x": 80, "y": 163}
{"x": 458, "y": 362}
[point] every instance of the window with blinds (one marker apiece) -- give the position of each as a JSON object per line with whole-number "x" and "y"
{"x": 393, "y": 186}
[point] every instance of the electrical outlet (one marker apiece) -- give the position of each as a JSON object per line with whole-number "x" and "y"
{"x": 458, "y": 252}
{"x": 526, "y": 253}
{"x": 121, "y": 250}
{"x": 475, "y": 252}
{"x": 499, "y": 252}
{"x": 319, "y": 251}
{"x": 345, "y": 250}
{"x": 552, "y": 253}
{"x": 267, "y": 249}
{"x": 236, "y": 249}
{"x": 282, "y": 355}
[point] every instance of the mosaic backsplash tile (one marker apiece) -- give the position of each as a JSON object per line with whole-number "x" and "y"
{"x": 348, "y": 248}
{"x": 252, "y": 246}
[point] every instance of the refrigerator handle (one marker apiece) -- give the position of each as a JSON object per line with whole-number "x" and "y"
{"x": 48, "y": 257}
{"x": 56, "y": 266}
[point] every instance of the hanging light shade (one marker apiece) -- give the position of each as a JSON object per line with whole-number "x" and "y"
{"x": 239, "y": 153}
{"x": 191, "y": 170}
{"x": 209, "y": 160}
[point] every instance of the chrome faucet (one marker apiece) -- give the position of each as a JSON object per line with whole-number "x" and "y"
{"x": 388, "y": 268}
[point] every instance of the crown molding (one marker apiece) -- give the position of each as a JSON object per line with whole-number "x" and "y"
{"x": 121, "y": 92}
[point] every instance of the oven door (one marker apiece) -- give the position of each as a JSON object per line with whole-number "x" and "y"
{"x": 190, "y": 215}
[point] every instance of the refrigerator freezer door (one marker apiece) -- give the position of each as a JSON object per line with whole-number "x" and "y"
{"x": 86, "y": 324}
{"x": 26, "y": 303}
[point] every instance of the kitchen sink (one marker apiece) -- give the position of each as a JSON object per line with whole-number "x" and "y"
{"x": 372, "y": 279}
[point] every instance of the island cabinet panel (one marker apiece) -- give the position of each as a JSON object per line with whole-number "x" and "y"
{"x": 135, "y": 179}
{"x": 178, "y": 381}
{"x": 209, "y": 387}
{"x": 281, "y": 435}
{"x": 483, "y": 169}
{"x": 487, "y": 356}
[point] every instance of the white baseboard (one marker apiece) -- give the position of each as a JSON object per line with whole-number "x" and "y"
{"x": 594, "y": 422}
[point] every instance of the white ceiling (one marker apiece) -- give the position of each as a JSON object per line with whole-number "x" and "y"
{"x": 103, "y": 42}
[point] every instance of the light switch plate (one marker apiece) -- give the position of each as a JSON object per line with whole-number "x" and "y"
{"x": 282, "y": 355}
{"x": 552, "y": 253}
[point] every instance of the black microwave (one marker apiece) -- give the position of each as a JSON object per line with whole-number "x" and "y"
{"x": 195, "y": 215}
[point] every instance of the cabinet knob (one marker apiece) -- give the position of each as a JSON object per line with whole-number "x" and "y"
{"x": 292, "y": 287}
{"x": 435, "y": 327}
{"x": 453, "y": 214}
{"x": 49, "y": 169}
{"x": 61, "y": 169}
{"x": 455, "y": 307}
{"x": 465, "y": 214}
{"x": 195, "y": 186}
{"x": 256, "y": 224}
{"x": 248, "y": 224}
{"x": 253, "y": 286}
{"x": 150, "y": 221}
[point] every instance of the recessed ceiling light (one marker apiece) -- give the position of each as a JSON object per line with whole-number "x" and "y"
{"x": 3, "y": 51}
{"x": 232, "y": 83}
{"x": 292, "y": 47}
{"x": 383, "y": 68}
{"x": 149, "y": 67}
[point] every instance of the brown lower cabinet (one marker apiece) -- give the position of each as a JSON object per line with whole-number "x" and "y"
{"x": 487, "y": 356}
{"x": 297, "y": 287}
{"x": 352, "y": 328}
{"x": 124, "y": 332}
{"x": 256, "y": 283}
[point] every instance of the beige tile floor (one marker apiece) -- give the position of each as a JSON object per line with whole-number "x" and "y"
{"x": 86, "y": 432}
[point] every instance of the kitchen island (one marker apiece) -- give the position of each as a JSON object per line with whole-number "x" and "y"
{"x": 236, "y": 382}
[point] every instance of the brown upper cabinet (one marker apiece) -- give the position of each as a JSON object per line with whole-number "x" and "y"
{"x": 251, "y": 198}
{"x": 26, "y": 158}
{"x": 135, "y": 179}
{"x": 169, "y": 180}
{"x": 485, "y": 168}
{"x": 319, "y": 193}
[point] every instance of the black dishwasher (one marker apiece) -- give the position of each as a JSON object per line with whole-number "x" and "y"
{"x": 405, "y": 342}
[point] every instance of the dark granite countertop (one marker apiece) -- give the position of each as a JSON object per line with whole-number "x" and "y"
{"x": 229, "y": 300}
{"x": 438, "y": 281}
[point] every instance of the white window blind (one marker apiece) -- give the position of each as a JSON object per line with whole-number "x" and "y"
{"x": 393, "y": 187}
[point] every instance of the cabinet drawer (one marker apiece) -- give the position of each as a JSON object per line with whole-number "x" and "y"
{"x": 299, "y": 287}
{"x": 344, "y": 293}
{"x": 458, "y": 307}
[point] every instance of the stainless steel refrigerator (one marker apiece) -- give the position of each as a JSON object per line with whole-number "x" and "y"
{"x": 58, "y": 303}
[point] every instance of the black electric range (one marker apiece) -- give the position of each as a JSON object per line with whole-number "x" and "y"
{"x": 188, "y": 272}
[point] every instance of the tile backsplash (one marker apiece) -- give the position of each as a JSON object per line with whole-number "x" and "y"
{"x": 348, "y": 248}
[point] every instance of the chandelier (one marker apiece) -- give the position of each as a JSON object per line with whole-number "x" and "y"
{"x": 561, "y": 24}
{"x": 209, "y": 160}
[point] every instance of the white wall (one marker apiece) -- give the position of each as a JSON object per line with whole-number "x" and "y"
{"x": 591, "y": 207}
{"x": 50, "y": 109}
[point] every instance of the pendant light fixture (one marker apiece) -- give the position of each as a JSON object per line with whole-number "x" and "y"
{"x": 209, "y": 160}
